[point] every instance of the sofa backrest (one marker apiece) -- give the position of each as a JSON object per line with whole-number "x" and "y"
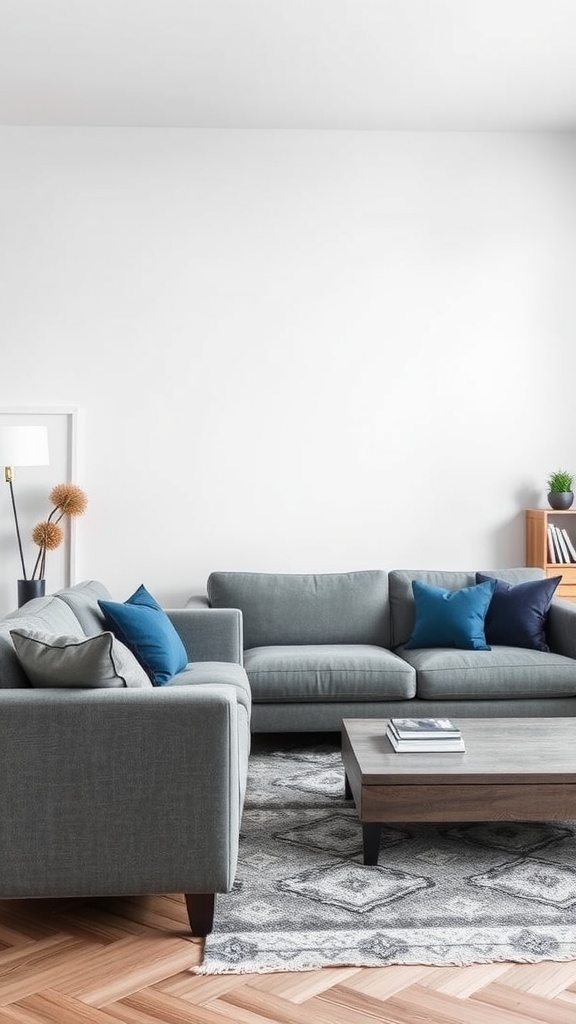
{"x": 306, "y": 608}
{"x": 83, "y": 600}
{"x": 73, "y": 611}
{"x": 402, "y": 598}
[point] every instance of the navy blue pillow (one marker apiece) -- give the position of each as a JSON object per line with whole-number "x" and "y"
{"x": 450, "y": 618}
{"x": 144, "y": 627}
{"x": 517, "y": 614}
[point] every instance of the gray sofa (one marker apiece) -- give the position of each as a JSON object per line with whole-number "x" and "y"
{"x": 116, "y": 790}
{"x": 320, "y": 648}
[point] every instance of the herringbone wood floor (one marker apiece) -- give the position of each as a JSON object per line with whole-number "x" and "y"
{"x": 110, "y": 961}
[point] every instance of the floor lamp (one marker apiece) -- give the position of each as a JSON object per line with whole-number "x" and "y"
{"x": 23, "y": 446}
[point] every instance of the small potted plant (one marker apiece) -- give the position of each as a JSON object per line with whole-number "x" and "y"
{"x": 560, "y": 496}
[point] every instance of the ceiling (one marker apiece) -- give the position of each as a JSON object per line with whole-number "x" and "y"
{"x": 333, "y": 64}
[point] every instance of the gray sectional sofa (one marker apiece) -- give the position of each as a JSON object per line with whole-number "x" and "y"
{"x": 112, "y": 786}
{"x": 320, "y": 648}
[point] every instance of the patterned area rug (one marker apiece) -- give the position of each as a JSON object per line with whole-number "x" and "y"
{"x": 441, "y": 894}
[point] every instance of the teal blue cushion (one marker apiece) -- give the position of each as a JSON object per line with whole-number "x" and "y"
{"x": 144, "y": 627}
{"x": 450, "y": 618}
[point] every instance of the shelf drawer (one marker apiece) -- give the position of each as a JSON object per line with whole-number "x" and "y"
{"x": 568, "y": 574}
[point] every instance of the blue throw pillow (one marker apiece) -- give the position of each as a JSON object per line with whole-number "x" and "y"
{"x": 144, "y": 627}
{"x": 517, "y": 614}
{"x": 450, "y": 618}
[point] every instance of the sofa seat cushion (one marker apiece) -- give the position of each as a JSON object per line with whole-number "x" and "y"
{"x": 502, "y": 673}
{"x": 328, "y": 672}
{"x": 202, "y": 673}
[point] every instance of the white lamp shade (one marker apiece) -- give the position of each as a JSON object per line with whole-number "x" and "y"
{"x": 24, "y": 446}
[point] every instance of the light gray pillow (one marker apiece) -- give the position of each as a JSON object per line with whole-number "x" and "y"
{"x": 94, "y": 661}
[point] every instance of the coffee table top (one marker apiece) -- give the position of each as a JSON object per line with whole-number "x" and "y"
{"x": 497, "y": 750}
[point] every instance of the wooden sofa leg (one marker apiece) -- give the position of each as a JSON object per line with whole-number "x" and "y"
{"x": 200, "y": 907}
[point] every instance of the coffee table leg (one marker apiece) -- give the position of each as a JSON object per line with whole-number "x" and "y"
{"x": 371, "y": 843}
{"x": 347, "y": 790}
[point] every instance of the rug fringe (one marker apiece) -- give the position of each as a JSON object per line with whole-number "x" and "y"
{"x": 255, "y": 969}
{"x": 288, "y": 968}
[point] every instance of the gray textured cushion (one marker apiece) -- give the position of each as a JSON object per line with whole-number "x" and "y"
{"x": 48, "y": 614}
{"x": 402, "y": 596}
{"x": 69, "y": 661}
{"x": 83, "y": 600}
{"x": 502, "y": 673}
{"x": 340, "y": 672}
{"x": 306, "y": 608}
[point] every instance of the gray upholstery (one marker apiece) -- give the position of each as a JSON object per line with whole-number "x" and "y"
{"x": 445, "y": 674}
{"x": 306, "y": 717}
{"x": 83, "y": 600}
{"x": 209, "y": 637}
{"x": 306, "y": 608}
{"x": 205, "y": 673}
{"x": 310, "y": 665}
{"x": 151, "y": 810}
{"x": 342, "y": 672}
{"x": 123, "y": 791}
{"x": 562, "y": 627}
{"x": 11, "y": 674}
{"x": 49, "y": 614}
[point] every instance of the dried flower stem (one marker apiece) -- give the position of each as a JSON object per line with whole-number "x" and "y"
{"x": 68, "y": 500}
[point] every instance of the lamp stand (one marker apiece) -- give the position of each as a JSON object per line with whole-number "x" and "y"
{"x": 9, "y": 477}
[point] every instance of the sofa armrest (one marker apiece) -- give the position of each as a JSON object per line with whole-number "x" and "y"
{"x": 562, "y": 627}
{"x": 112, "y": 792}
{"x": 209, "y": 634}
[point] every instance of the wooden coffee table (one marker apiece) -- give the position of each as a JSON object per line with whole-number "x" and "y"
{"x": 513, "y": 769}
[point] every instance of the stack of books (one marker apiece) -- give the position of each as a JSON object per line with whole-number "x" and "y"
{"x": 560, "y": 547}
{"x": 432, "y": 735}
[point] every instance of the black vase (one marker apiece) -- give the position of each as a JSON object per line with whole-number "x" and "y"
{"x": 28, "y": 589}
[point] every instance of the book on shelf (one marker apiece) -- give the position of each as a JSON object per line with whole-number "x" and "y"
{"x": 559, "y": 555}
{"x": 562, "y": 545}
{"x": 556, "y": 544}
{"x": 445, "y": 745}
{"x": 552, "y": 558}
{"x": 424, "y": 728}
{"x": 569, "y": 544}
{"x": 563, "y": 548}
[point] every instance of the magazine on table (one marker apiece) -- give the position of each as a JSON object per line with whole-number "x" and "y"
{"x": 424, "y": 728}
{"x": 453, "y": 744}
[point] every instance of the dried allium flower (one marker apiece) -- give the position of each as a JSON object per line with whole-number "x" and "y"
{"x": 69, "y": 499}
{"x": 47, "y": 535}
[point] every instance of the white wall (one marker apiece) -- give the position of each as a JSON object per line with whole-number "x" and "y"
{"x": 298, "y": 351}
